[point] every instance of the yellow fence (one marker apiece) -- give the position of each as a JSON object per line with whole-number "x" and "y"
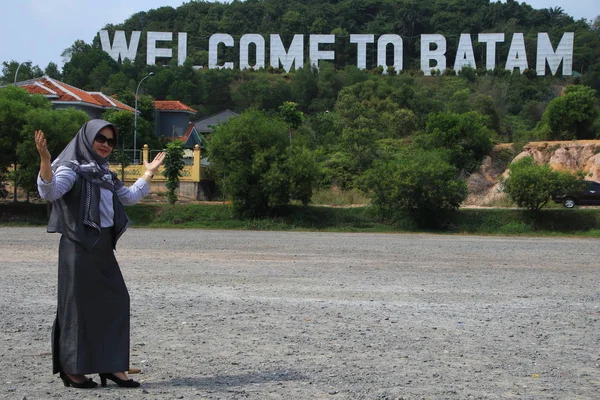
{"x": 190, "y": 173}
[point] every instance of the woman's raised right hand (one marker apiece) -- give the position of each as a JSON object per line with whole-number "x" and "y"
{"x": 41, "y": 145}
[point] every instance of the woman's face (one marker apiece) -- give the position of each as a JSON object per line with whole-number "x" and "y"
{"x": 102, "y": 142}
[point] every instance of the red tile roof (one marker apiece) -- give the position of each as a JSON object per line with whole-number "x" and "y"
{"x": 188, "y": 132}
{"x": 101, "y": 99}
{"x": 60, "y": 92}
{"x": 110, "y": 102}
{"x": 37, "y": 88}
{"x": 183, "y": 138}
{"x": 172, "y": 105}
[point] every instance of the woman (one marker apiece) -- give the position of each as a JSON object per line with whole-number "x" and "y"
{"x": 91, "y": 330}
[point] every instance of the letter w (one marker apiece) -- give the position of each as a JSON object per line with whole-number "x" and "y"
{"x": 119, "y": 47}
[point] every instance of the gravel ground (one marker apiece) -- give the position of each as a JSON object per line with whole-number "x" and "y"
{"x": 280, "y": 315}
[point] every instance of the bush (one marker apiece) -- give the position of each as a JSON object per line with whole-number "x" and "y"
{"x": 173, "y": 167}
{"x": 465, "y": 136}
{"x": 469, "y": 73}
{"x": 531, "y": 185}
{"x": 419, "y": 182}
{"x": 571, "y": 116}
{"x": 256, "y": 167}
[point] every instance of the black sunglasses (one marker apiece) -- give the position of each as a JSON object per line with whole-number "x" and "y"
{"x": 100, "y": 138}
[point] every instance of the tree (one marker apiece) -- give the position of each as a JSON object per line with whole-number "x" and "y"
{"x": 256, "y": 168}
{"x": 87, "y": 67}
{"x": 465, "y": 136}
{"x": 302, "y": 171}
{"x": 484, "y": 105}
{"x": 52, "y": 71}
{"x": 123, "y": 121}
{"x": 290, "y": 114}
{"x": 379, "y": 107}
{"x": 329, "y": 83}
{"x": 21, "y": 114}
{"x": 15, "y": 103}
{"x": 402, "y": 123}
{"x": 214, "y": 86}
{"x": 339, "y": 169}
{"x": 570, "y": 116}
{"x": 26, "y": 71}
{"x": 359, "y": 144}
{"x": 59, "y": 127}
{"x": 173, "y": 167}
{"x": 324, "y": 128}
{"x": 260, "y": 90}
{"x": 304, "y": 86}
{"x": 596, "y": 24}
{"x": 420, "y": 182}
{"x": 118, "y": 83}
{"x": 145, "y": 104}
{"x": 530, "y": 185}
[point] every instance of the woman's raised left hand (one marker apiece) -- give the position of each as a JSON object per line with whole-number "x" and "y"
{"x": 152, "y": 167}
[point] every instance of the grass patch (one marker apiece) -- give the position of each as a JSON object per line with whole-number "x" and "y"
{"x": 336, "y": 197}
{"x": 504, "y": 202}
{"x": 547, "y": 222}
{"x": 23, "y": 214}
{"x": 217, "y": 216}
{"x": 521, "y": 222}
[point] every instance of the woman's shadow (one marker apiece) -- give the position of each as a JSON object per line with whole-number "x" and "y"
{"x": 224, "y": 382}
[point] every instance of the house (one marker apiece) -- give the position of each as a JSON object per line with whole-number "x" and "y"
{"x": 63, "y": 95}
{"x": 196, "y": 131}
{"x": 172, "y": 120}
{"x": 172, "y": 117}
{"x": 205, "y": 126}
{"x": 191, "y": 138}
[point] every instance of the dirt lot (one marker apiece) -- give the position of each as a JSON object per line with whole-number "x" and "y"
{"x": 274, "y": 315}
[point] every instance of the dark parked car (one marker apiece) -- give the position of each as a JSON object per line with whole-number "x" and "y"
{"x": 589, "y": 196}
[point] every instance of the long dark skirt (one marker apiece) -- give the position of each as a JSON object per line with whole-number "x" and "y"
{"x": 91, "y": 330}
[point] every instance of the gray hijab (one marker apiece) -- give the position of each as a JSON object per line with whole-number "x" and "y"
{"x": 79, "y": 155}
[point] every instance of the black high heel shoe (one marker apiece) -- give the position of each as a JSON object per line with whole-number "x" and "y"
{"x": 130, "y": 383}
{"x": 89, "y": 384}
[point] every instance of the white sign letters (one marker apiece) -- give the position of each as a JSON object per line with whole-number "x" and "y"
{"x": 320, "y": 47}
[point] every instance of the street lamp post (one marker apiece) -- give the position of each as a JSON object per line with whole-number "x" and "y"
{"x": 17, "y": 73}
{"x": 15, "y": 165}
{"x": 135, "y": 117}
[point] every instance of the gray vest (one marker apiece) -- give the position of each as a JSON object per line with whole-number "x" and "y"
{"x": 77, "y": 215}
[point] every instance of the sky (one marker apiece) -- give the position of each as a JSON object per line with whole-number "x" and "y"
{"x": 40, "y": 30}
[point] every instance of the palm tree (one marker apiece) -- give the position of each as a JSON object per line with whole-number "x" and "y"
{"x": 556, "y": 15}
